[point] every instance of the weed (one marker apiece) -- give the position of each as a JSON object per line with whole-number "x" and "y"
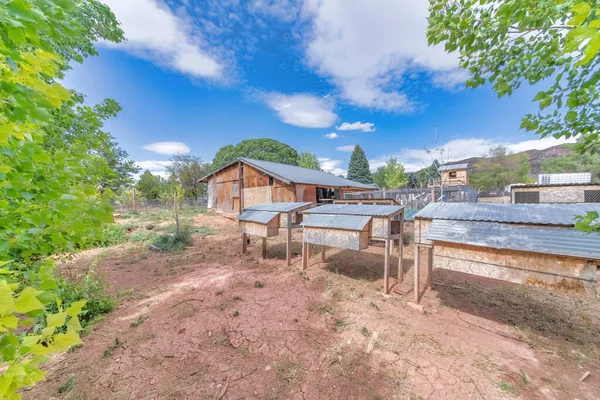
{"x": 175, "y": 242}
{"x": 365, "y": 331}
{"x": 258, "y": 284}
{"x": 140, "y": 320}
{"x": 219, "y": 292}
{"x": 124, "y": 292}
{"x": 236, "y": 313}
{"x": 67, "y": 386}
{"x": 339, "y": 323}
{"x": 237, "y": 298}
{"x": 223, "y": 306}
{"x": 507, "y": 387}
{"x": 524, "y": 377}
{"x": 375, "y": 306}
{"x": 111, "y": 349}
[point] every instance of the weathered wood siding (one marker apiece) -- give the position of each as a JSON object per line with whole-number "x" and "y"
{"x": 262, "y": 230}
{"x": 306, "y": 193}
{"x": 281, "y": 192}
{"x": 420, "y": 231}
{"x": 224, "y": 182}
{"x": 212, "y": 193}
{"x": 352, "y": 240}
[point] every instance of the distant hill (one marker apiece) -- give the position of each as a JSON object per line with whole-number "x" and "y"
{"x": 536, "y": 157}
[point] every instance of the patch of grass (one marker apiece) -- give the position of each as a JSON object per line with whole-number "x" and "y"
{"x": 140, "y": 235}
{"x": 67, "y": 386}
{"x": 140, "y": 320}
{"x": 223, "y": 306}
{"x": 237, "y": 298}
{"x": 219, "y": 292}
{"x": 112, "y": 234}
{"x": 175, "y": 242}
{"x": 507, "y": 387}
{"x": 259, "y": 284}
{"x": 365, "y": 331}
{"x": 236, "y": 313}
{"x": 340, "y": 323}
{"x": 125, "y": 292}
{"x": 111, "y": 349}
{"x": 524, "y": 377}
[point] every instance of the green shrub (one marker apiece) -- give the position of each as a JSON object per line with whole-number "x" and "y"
{"x": 141, "y": 236}
{"x": 175, "y": 241}
{"x": 112, "y": 234}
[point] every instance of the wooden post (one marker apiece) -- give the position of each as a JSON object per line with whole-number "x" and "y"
{"x": 244, "y": 242}
{"x": 416, "y": 289}
{"x": 433, "y": 194}
{"x": 288, "y": 244}
{"x": 241, "y": 187}
{"x": 133, "y": 200}
{"x": 386, "y": 267}
{"x": 264, "y": 248}
{"x": 304, "y": 255}
{"x": 401, "y": 249}
{"x": 323, "y": 254}
{"x": 429, "y": 267}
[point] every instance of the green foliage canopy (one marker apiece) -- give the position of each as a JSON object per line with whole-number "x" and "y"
{"x": 186, "y": 170}
{"x": 379, "y": 177}
{"x": 500, "y": 168}
{"x": 308, "y": 160}
{"x": 574, "y": 162}
{"x": 260, "y": 149}
{"x": 149, "y": 186}
{"x": 552, "y": 43}
{"x": 394, "y": 174}
{"x": 358, "y": 167}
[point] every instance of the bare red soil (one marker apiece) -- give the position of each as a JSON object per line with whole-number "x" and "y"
{"x": 216, "y": 324}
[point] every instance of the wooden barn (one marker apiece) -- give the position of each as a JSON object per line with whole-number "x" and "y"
{"x": 246, "y": 182}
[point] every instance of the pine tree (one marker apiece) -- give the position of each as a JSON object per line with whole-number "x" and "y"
{"x": 358, "y": 167}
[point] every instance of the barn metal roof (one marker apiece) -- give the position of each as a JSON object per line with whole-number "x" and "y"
{"x": 563, "y": 242}
{"x": 293, "y": 174}
{"x": 346, "y": 222}
{"x": 451, "y": 167}
{"x": 355, "y": 209}
{"x": 538, "y": 214}
{"x": 262, "y": 217}
{"x": 279, "y": 207}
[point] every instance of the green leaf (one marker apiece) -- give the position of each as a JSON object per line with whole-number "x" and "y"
{"x": 69, "y": 197}
{"x": 3, "y": 263}
{"x": 42, "y": 158}
{"x": 75, "y": 308}
{"x": 10, "y": 321}
{"x": 7, "y": 305}
{"x": 27, "y": 300}
{"x": 571, "y": 116}
{"x": 56, "y": 320}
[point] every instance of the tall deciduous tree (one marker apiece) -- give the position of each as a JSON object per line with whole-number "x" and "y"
{"x": 379, "y": 177}
{"x": 308, "y": 160}
{"x": 394, "y": 175}
{"x": 149, "y": 186}
{"x": 186, "y": 170}
{"x": 259, "y": 149}
{"x": 358, "y": 167}
{"x": 551, "y": 43}
{"x": 499, "y": 169}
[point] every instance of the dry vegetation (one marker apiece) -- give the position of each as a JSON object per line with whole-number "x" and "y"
{"x": 210, "y": 323}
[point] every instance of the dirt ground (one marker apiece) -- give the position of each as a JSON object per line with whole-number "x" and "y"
{"x": 210, "y": 323}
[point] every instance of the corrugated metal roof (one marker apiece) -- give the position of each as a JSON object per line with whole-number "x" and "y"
{"x": 516, "y": 186}
{"x": 564, "y": 242}
{"x": 538, "y": 214}
{"x": 279, "y": 207}
{"x": 355, "y": 209}
{"x": 262, "y": 217}
{"x": 453, "y": 167}
{"x": 347, "y": 222}
{"x": 292, "y": 174}
{"x": 558, "y": 179}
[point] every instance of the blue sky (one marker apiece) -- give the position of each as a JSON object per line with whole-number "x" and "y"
{"x": 319, "y": 75}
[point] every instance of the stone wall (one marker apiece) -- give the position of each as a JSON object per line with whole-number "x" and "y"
{"x": 558, "y": 194}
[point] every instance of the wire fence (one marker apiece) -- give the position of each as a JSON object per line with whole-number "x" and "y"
{"x": 156, "y": 205}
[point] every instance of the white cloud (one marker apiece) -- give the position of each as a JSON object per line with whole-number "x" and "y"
{"x": 154, "y": 32}
{"x": 285, "y": 10}
{"x": 332, "y": 166}
{"x": 303, "y": 110}
{"x": 367, "y": 46}
{"x": 168, "y": 148}
{"x": 331, "y": 135}
{"x": 349, "y": 148}
{"x": 459, "y": 149}
{"x": 154, "y": 166}
{"x": 357, "y": 126}
{"x": 450, "y": 80}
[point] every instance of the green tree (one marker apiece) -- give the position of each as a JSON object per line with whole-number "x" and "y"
{"x": 149, "y": 186}
{"x": 574, "y": 162}
{"x": 394, "y": 174}
{"x": 308, "y": 160}
{"x": 430, "y": 175}
{"x": 76, "y": 124}
{"x": 551, "y": 43}
{"x": 379, "y": 177}
{"x": 47, "y": 204}
{"x": 499, "y": 169}
{"x": 186, "y": 170}
{"x": 358, "y": 167}
{"x": 259, "y": 149}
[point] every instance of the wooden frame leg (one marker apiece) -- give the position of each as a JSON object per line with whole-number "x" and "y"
{"x": 429, "y": 267}
{"x": 304, "y": 255}
{"x": 323, "y": 254}
{"x": 416, "y": 288}
{"x": 244, "y": 243}
{"x": 264, "y": 248}
{"x": 401, "y": 251}
{"x": 386, "y": 267}
{"x": 288, "y": 244}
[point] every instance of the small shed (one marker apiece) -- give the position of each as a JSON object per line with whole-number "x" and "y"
{"x": 265, "y": 220}
{"x": 455, "y": 174}
{"x": 531, "y": 244}
{"x": 351, "y": 226}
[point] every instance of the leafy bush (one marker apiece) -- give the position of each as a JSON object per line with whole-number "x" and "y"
{"x": 112, "y": 234}
{"x": 141, "y": 236}
{"x": 175, "y": 241}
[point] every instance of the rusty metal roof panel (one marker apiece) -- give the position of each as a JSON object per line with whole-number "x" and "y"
{"x": 261, "y": 217}
{"x": 346, "y": 222}
{"x": 355, "y": 209}
{"x": 279, "y": 207}
{"x": 537, "y": 214}
{"x": 563, "y": 242}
